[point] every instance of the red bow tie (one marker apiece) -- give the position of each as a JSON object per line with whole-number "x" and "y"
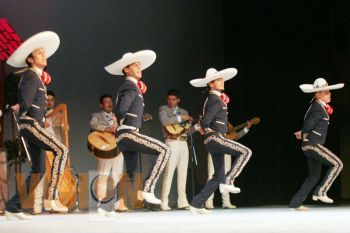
{"x": 225, "y": 98}
{"x": 329, "y": 109}
{"x": 45, "y": 78}
{"x": 142, "y": 86}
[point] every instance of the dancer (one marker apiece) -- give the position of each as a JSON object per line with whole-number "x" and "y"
{"x": 32, "y": 101}
{"x": 213, "y": 125}
{"x": 313, "y": 136}
{"x": 129, "y": 112}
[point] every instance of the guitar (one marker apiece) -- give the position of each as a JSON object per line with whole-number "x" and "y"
{"x": 180, "y": 128}
{"x": 147, "y": 117}
{"x": 232, "y": 131}
{"x": 103, "y": 144}
{"x": 177, "y": 129}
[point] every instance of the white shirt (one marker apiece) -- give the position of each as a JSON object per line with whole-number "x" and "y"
{"x": 48, "y": 112}
{"x": 109, "y": 117}
{"x": 177, "y": 113}
{"x": 323, "y": 103}
{"x": 218, "y": 93}
{"x": 38, "y": 71}
{"x": 134, "y": 80}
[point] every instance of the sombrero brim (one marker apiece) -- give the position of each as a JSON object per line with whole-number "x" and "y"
{"x": 47, "y": 40}
{"x": 309, "y": 88}
{"x": 226, "y": 74}
{"x": 145, "y": 57}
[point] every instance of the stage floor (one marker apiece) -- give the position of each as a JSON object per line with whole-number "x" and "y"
{"x": 264, "y": 219}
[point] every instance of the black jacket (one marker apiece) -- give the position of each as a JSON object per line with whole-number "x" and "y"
{"x": 316, "y": 123}
{"x": 32, "y": 96}
{"x": 215, "y": 114}
{"x": 129, "y": 104}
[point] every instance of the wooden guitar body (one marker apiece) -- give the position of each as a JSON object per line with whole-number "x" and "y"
{"x": 103, "y": 145}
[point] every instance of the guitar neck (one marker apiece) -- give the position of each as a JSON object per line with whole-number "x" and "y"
{"x": 239, "y": 127}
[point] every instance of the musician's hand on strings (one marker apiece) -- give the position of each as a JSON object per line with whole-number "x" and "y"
{"x": 15, "y": 108}
{"x": 147, "y": 117}
{"x": 115, "y": 128}
{"x": 298, "y": 135}
{"x": 249, "y": 124}
{"x": 185, "y": 117}
{"x": 111, "y": 129}
{"x": 201, "y": 131}
{"x": 57, "y": 120}
{"x": 121, "y": 121}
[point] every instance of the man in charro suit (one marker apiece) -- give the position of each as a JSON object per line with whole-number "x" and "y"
{"x": 214, "y": 125}
{"x": 32, "y": 101}
{"x": 129, "y": 112}
{"x": 313, "y": 136}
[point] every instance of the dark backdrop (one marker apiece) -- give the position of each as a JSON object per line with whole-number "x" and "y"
{"x": 275, "y": 45}
{"x": 278, "y": 45}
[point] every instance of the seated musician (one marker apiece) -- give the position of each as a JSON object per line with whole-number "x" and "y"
{"x": 50, "y": 105}
{"x": 172, "y": 114}
{"x": 105, "y": 121}
{"x": 50, "y": 102}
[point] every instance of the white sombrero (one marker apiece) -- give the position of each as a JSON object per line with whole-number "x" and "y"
{"x": 213, "y": 74}
{"x": 47, "y": 40}
{"x": 320, "y": 84}
{"x": 145, "y": 57}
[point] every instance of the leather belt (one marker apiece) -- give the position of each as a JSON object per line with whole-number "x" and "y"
{"x": 176, "y": 137}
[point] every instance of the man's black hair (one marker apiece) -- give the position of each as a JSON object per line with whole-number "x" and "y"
{"x": 173, "y": 92}
{"x": 51, "y": 93}
{"x": 124, "y": 68}
{"x": 104, "y": 96}
{"x": 29, "y": 56}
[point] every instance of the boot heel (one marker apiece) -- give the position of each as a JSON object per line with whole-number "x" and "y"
{"x": 55, "y": 206}
{"x": 47, "y": 205}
